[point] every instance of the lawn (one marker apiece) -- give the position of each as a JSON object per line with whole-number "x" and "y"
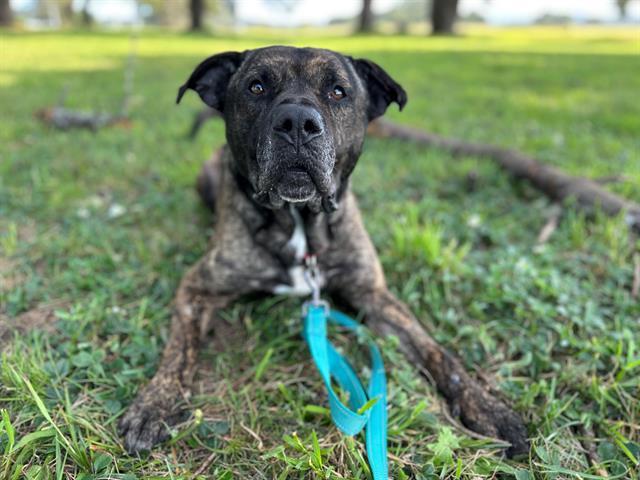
{"x": 96, "y": 230}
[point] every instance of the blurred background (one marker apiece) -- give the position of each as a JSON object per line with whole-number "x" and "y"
{"x": 389, "y": 16}
{"x": 99, "y": 220}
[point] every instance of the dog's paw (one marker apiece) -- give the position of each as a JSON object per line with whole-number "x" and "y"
{"x": 144, "y": 425}
{"x": 483, "y": 413}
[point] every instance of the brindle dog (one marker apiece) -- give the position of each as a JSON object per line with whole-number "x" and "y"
{"x": 295, "y": 123}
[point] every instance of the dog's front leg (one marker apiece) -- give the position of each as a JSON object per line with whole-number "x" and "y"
{"x": 145, "y": 422}
{"x": 477, "y": 408}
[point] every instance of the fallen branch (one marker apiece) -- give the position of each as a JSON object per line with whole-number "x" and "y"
{"x": 611, "y": 179}
{"x": 65, "y": 119}
{"x": 200, "y": 119}
{"x": 554, "y": 183}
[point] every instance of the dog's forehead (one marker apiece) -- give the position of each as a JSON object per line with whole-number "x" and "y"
{"x": 296, "y": 62}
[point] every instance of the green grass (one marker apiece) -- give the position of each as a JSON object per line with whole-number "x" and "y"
{"x": 553, "y": 327}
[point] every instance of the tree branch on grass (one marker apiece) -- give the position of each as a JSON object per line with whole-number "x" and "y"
{"x": 551, "y": 181}
{"x": 200, "y": 119}
{"x": 611, "y": 179}
{"x": 65, "y": 119}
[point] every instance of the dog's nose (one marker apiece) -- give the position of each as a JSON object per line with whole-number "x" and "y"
{"x": 297, "y": 124}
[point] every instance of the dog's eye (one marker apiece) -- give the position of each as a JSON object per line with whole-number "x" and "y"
{"x": 337, "y": 93}
{"x": 256, "y": 88}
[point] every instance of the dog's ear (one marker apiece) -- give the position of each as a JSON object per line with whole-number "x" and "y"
{"x": 381, "y": 87}
{"x": 211, "y": 77}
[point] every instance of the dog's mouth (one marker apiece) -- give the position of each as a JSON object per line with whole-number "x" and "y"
{"x": 302, "y": 177}
{"x": 300, "y": 186}
{"x": 296, "y": 186}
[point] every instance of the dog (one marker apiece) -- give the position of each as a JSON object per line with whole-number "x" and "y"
{"x": 295, "y": 122}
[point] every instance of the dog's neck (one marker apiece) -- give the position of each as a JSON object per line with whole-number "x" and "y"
{"x": 285, "y": 231}
{"x": 268, "y": 224}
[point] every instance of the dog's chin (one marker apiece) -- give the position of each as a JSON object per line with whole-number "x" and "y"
{"x": 296, "y": 187}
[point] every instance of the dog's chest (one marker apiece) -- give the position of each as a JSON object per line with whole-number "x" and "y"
{"x": 298, "y": 244}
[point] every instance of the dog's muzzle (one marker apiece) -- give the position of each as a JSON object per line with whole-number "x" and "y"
{"x": 296, "y": 159}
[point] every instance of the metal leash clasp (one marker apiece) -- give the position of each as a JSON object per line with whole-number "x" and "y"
{"x": 312, "y": 277}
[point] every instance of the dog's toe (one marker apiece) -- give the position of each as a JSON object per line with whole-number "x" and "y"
{"x": 143, "y": 427}
{"x": 512, "y": 429}
{"x": 487, "y": 415}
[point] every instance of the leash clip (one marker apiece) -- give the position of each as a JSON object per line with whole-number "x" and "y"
{"x": 312, "y": 277}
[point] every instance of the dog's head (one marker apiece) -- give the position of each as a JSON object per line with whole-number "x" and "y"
{"x": 295, "y": 117}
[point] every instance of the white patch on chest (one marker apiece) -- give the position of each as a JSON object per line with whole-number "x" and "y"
{"x": 297, "y": 242}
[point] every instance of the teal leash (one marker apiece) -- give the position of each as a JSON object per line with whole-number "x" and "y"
{"x": 331, "y": 364}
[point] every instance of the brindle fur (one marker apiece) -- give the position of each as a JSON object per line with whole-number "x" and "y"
{"x": 251, "y": 254}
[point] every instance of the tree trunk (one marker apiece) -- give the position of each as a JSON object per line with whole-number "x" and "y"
{"x": 197, "y": 12}
{"x": 366, "y": 17}
{"x": 443, "y": 16}
{"x": 87, "y": 19}
{"x": 6, "y": 17}
{"x": 622, "y": 8}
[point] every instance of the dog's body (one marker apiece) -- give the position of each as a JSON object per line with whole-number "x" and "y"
{"x": 296, "y": 120}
